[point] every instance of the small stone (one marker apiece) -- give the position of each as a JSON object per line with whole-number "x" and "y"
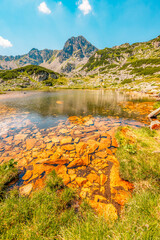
{"x": 103, "y": 179}
{"x": 63, "y": 131}
{"x": 106, "y": 210}
{"x": 81, "y": 181}
{"x": 49, "y": 146}
{"x": 9, "y": 140}
{"x": 26, "y": 190}
{"x": 66, "y": 140}
{"x": 68, "y": 147}
{"x": 27, "y": 175}
{"x": 55, "y": 140}
{"x": 61, "y": 169}
{"x": 77, "y": 140}
{"x": 71, "y": 171}
{"x": 20, "y": 137}
{"x": 93, "y": 177}
{"x": 93, "y": 146}
{"x": 73, "y": 177}
{"x": 101, "y": 154}
{"x": 99, "y": 198}
{"x": 75, "y": 163}
{"x": 59, "y": 102}
{"x": 155, "y": 125}
{"x": 66, "y": 178}
{"x": 81, "y": 146}
{"x": 114, "y": 142}
{"x": 30, "y": 143}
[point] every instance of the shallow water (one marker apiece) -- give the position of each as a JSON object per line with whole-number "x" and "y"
{"x": 72, "y": 132}
{"x": 46, "y": 108}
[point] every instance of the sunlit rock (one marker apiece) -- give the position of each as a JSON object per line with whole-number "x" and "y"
{"x": 26, "y": 189}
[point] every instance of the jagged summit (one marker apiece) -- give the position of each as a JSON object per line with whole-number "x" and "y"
{"x": 77, "y": 47}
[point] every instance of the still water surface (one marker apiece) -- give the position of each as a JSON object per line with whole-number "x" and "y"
{"x": 46, "y": 109}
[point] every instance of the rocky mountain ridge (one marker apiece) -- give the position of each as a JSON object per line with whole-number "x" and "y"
{"x": 76, "y": 51}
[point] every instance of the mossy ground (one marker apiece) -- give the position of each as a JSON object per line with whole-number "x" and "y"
{"x": 51, "y": 213}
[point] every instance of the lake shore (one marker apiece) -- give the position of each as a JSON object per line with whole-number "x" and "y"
{"x": 20, "y": 94}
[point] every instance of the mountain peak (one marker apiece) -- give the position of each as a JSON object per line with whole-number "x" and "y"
{"x": 77, "y": 47}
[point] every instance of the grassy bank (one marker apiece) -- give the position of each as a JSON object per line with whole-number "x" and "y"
{"x": 52, "y": 213}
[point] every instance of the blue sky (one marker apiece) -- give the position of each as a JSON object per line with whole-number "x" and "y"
{"x": 25, "y": 24}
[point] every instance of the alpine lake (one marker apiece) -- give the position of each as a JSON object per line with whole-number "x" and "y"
{"x": 73, "y": 133}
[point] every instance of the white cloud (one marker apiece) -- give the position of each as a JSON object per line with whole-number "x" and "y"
{"x": 5, "y": 43}
{"x": 43, "y": 8}
{"x": 60, "y": 3}
{"x": 85, "y": 7}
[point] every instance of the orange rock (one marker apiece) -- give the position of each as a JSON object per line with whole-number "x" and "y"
{"x": 61, "y": 169}
{"x": 99, "y": 198}
{"x": 77, "y": 140}
{"x": 107, "y": 210}
{"x": 39, "y": 184}
{"x": 71, "y": 171}
{"x": 106, "y": 142}
{"x": 30, "y": 143}
{"x": 121, "y": 197}
{"x": 59, "y": 102}
{"x": 55, "y": 140}
{"x": 80, "y": 147}
{"x": 8, "y": 147}
{"x": 93, "y": 146}
{"x": 101, "y": 154}
{"x": 57, "y": 162}
{"x": 66, "y": 178}
{"x": 27, "y": 175}
{"x": 68, "y": 147}
{"x": 34, "y": 176}
{"x": 57, "y": 154}
{"x": 114, "y": 142}
{"x": 86, "y": 159}
{"x": 63, "y": 131}
{"x": 40, "y": 168}
{"x": 108, "y": 151}
{"x": 81, "y": 181}
{"x": 26, "y": 189}
{"x": 20, "y": 137}
{"x": 88, "y": 123}
{"x": 75, "y": 163}
{"x": 77, "y": 132}
{"x": 103, "y": 179}
{"x": 22, "y": 162}
{"x": 105, "y": 135}
{"x": 73, "y": 177}
{"x": 9, "y": 139}
{"x": 102, "y": 190}
{"x": 93, "y": 177}
{"x": 49, "y": 145}
{"x": 66, "y": 140}
{"x": 102, "y": 146}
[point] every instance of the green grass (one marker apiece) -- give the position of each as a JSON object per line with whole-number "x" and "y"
{"x": 50, "y": 213}
{"x": 138, "y": 161}
{"x": 145, "y": 71}
{"x": 30, "y": 69}
{"x": 126, "y": 81}
{"x": 156, "y": 105}
{"x": 8, "y": 172}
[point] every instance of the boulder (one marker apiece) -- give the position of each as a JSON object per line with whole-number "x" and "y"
{"x": 155, "y": 125}
{"x": 26, "y": 189}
